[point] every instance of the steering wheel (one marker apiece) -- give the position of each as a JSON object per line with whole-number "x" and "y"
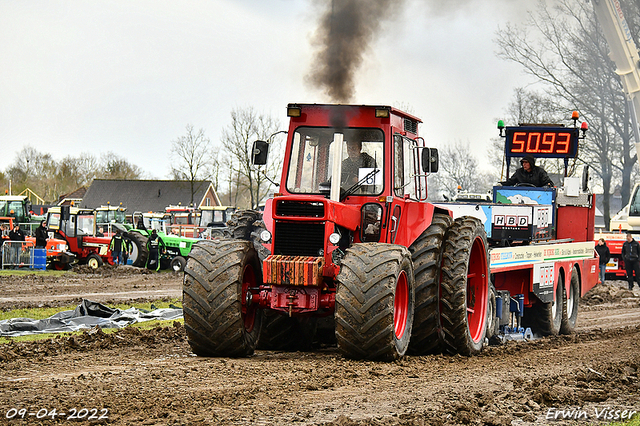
{"x": 525, "y": 184}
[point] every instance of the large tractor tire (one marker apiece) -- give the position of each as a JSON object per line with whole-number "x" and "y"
{"x": 375, "y": 302}
{"x": 426, "y": 253}
{"x": 570, "y": 304}
{"x": 139, "y": 253}
{"x": 464, "y": 287}
{"x": 217, "y": 316}
{"x": 283, "y": 333}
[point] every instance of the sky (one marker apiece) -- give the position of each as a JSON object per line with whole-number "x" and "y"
{"x": 128, "y": 76}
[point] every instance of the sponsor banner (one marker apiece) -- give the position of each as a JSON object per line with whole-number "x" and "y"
{"x": 529, "y": 255}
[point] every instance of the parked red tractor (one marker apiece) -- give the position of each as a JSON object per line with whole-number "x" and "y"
{"x": 78, "y": 228}
{"x": 350, "y": 241}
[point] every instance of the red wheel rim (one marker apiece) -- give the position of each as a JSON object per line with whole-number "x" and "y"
{"x": 248, "y": 312}
{"x": 401, "y": 305}
{"x": 477, "y": 291}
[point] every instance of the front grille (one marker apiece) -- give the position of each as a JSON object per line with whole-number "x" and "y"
{"x": 298, "y": 238}
{"x": 411, "y": 126}
{"x": 300, "y": 209}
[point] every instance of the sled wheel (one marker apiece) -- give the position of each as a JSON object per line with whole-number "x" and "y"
{"x": 375, "y": 302}
{"x": 426, "y": 253}
{"x": 464, "y": 286}
{"x": 570, "y": 304}
{"x": 94, "y": 261}
{"x": 492, "y": 320}
{"x": 545, "y": 319}
{"x": 219, "y": 315}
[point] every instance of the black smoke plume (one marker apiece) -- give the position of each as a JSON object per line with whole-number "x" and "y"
{"x": 344, "y": 34}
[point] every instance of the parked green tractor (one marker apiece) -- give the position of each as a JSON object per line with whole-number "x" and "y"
{"x": 177, "y": 247}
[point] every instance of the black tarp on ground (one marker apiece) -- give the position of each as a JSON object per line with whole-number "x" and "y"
{"x": 86, "y": 315}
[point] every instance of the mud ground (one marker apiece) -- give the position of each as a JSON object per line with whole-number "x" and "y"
{"x": 151, "y": 377}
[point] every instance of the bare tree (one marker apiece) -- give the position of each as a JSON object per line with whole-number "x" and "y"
{"x": 246, "y": 127}
{"x": 563, "y": 47}
{"x": 459, "y": 171}
{"x": 115, "y": 167}
{"x": 192, "y": 159}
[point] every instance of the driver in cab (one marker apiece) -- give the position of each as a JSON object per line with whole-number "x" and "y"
{"x": 356, "y": 159}
{"x": 529, "y": 174}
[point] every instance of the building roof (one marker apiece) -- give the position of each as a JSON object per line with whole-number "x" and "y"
{"x": 145, "y": 195}
{"x": 74, "y": 196}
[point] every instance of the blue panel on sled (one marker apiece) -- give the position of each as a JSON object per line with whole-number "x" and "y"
{"x": 523, "y": 195}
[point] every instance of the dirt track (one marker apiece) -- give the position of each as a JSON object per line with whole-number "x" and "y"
{"x": 151, "y": 377}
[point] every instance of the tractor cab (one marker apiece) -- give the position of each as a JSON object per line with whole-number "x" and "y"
{"x": 215, "y": 216}
{"x": 108, "y": 217}
{"x": 77, "y": 227}
{"x": 352, "y": 171}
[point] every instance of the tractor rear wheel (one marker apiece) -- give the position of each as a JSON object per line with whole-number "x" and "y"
{"x": 241, "y": 223}
{"x": 375, "y": 302}
{"x": 139, "y": 253}
{"x": 545, "y": 319}
{"x": 283, "y": 333}
{"x": 94, "y": 261}
{"x": 219, "y": 317}
{"x": 464, "y": 286}
{"x": 426, "y": 253}
{"x": 570, "y": 304}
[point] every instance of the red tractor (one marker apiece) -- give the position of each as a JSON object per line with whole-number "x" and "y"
{"x": 349, "y": 243}
{"x": 78, "y": 228}
{"x": 365, "y": 248}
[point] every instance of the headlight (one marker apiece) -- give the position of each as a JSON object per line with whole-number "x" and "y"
{"x": 265, "y": 236}
{"x": 334, "y": 238}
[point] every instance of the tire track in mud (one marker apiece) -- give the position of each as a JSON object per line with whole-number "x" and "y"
{"x": 151, "y": 376}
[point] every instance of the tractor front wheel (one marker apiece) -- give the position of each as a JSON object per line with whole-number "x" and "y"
{"x": 375, "y": 302}
{"x": 94, "y": 261}
{"x": 464, "y": 286}
{"x": 178, "y": 263}
{"x": 219, "y": 315}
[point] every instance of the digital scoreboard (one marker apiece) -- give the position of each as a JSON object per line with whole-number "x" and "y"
{"x": 542, "y": 142}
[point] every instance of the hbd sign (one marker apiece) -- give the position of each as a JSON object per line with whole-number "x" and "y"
{"x": 511, "y": 221}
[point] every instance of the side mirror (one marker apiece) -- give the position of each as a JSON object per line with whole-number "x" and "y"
{"x": 260, "y": 153}
{"x": 430, "y": 160}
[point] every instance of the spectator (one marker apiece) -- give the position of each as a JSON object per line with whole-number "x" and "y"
{"x": 16, "y": 235}
{"x": 42, "y": 235}
{"x": 605, "y": 254}
{"x": 127, "y": 248}
{"x": 116, "y": 246}
{"x": 155, "y": 245}
{"x": 631, "y": 257}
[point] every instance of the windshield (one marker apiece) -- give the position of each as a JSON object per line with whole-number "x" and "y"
{"x": 110, "y": 216}
{"x": 312, "y": 159}
{"x": 85, "y": 225}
